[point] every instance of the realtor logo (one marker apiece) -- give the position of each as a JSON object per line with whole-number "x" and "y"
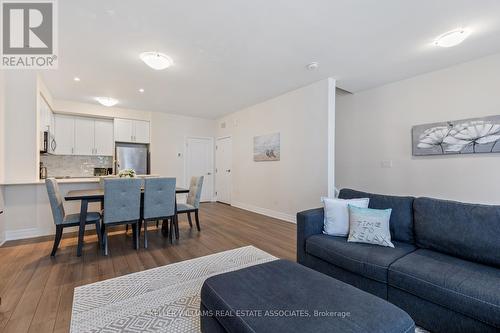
{"x": 29, "y": 34}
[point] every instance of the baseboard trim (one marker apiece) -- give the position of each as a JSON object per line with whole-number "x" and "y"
{"x": 28, "y": 233}
{"x": 265, "y": 211}
{"x": 2, "y": 238}
{"x": 36, "y": 232}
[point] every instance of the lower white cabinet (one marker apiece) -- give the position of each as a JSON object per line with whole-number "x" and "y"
{"x": 83, "y": 136}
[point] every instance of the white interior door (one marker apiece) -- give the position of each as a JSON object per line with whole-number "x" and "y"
{"x": 199, "y": 162}
{"x": 223, "y": 161}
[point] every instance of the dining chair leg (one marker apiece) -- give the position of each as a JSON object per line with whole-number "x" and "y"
{"x": 98, "y": 232}
{"x": 157, "y": 223}
{"x": 134, "y": 234}
{"x": 171, "y": 234}
{"x": 196, "y": 217}
{"x": 126, "y": 228}
{"x": 164, "y": 227}
{"x": 145, "y": 234}
{"x": 105, "y": 239}
{"x": 189, "y": 219}
{"x": 136, "y": 237}
{"x": 176, "y": 223}
{"x": 57, "y": 239}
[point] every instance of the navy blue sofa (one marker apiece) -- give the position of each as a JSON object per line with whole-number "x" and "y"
{"x": 444, "y": 270}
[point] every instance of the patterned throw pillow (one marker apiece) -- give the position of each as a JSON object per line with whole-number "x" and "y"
{"x": 370, "y": 226}
{"x": 336, "y": 221}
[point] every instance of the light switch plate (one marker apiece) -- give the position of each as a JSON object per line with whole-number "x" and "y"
{"x": 386, "y": 164}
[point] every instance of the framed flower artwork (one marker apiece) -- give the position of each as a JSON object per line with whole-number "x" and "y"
{"x": 469, "y": 136}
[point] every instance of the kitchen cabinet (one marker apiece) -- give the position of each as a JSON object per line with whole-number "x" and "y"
{"x": 83, "y": 136}
{"x": 46, "y": 116}
{"x": 47, "y": 126}
{"x": 124, "y": 130}
{"x": 141, "y": 133}
{"x": 135, "y": 131}
{"x": 64, "y": 135}
{"x": 103, "y": 137}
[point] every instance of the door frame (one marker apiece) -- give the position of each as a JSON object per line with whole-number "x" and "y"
{"x": 215, "y": 164}
{"x": 212, "y": 159}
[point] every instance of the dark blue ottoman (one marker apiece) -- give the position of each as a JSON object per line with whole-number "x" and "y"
{"x": 282, "y": 296}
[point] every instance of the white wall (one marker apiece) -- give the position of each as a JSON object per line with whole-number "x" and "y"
{"x": 2, "y": 153}
{"x": 21, "y": 134}
{"x": 168, "y": 134}
{"x": 375, "y": 125}
{"x": 300, "y": 178}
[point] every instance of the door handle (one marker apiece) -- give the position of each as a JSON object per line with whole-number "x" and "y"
{"x": 228, "y": 170}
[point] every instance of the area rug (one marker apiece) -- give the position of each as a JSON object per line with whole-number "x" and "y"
{"x": 163, "y": 299}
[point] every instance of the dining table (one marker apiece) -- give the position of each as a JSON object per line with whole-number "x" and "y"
{"x": 94, "y": 195}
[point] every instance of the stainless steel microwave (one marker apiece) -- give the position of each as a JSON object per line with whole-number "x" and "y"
{"x": 48, "y": 143}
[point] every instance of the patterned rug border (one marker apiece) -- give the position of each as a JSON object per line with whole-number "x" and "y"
{"x": 158, "y": 298}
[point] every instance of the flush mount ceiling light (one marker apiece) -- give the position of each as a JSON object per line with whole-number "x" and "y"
{"x": 141, "y": 90}
{"x": 76, "y": 79}
{"x": 106, "y": 101}
{"x": 156, "y": 60}
{"x": 452, "y": 38}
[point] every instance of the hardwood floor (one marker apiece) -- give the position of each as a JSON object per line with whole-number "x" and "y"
{"x": 37, "y": 290}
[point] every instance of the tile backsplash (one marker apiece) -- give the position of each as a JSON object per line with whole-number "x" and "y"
{"x": 74, "y": 166}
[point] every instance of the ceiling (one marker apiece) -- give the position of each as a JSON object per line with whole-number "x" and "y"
{"x": 230, "y": 54}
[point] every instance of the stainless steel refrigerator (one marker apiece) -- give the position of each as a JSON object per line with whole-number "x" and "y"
{"x": 132, "y": 156}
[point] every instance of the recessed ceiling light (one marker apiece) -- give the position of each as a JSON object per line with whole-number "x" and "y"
{"x": 76, "y": 78}
{"x": 452, "y": 38}
{"x": 312, "y": 66}
{"x": 106, "y": 101}
{"x": 156, "y": 60}
{"x": 141, "y": 90}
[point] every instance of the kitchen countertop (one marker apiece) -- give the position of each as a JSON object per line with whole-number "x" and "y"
{"x": 60, "y": 181}
{"x": 76, "y": 180}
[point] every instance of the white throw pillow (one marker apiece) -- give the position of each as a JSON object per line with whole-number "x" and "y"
{"x": 337, "y": 214}
{"x": 370, "y": 226}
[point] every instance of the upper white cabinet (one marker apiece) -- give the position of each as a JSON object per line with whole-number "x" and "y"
{"x": 64, "y": 135}
{"x": 83, "y": 136}
{"x": 141, "y": 134}
{"x": 46, "y": 116}
{"x": 124, "y": 130}
{"x": 128, "y": 130}
{"x": 103, "y": 137}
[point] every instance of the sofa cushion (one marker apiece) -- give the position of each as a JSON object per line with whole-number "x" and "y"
{"x": 401, "y": 222}
{"x": 367, "y": 260}
{"x": 281, "y": 296}
{"x": 468, "y": 231}
{"x": 469, "y": 288}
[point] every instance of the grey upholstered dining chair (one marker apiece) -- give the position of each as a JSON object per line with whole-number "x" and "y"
{"x": 192, "y": 203}
{"x": 159, "y": 202}
{"x": 63, "y": 220}
{"x": 122, "y": 205}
